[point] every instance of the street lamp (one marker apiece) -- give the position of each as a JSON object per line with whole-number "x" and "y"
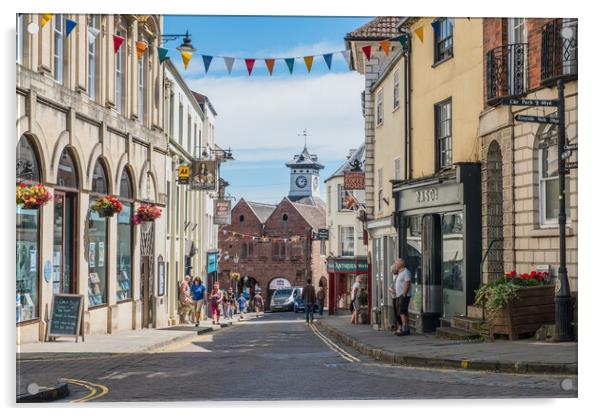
{"x": 186, "y": 45}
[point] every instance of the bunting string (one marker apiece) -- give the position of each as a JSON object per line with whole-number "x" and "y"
{"x": 235, "y": 236}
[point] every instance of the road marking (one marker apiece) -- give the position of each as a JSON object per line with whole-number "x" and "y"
{"x": 333, "y": 346}
{"x": 93, "y": 389}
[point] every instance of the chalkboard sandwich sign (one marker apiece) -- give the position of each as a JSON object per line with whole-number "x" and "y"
{"x": 66, "y": 316}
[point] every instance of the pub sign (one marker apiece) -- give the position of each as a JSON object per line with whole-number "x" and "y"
{"x": 353, "y": 180}
{"x": 222, "y": 212}
{"x": 203, "y": 175}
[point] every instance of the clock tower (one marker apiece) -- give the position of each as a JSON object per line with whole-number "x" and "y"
{"x": 305, "y": 175}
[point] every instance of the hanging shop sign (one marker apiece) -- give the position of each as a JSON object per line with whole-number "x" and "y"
{"x": 222, "y": 212}
{"x": 183, "y": 174}
{"x": 322, "y": 234}
{"x": 203, "y": 175}
{"x": 212, "y": 262}
{"x": 354, "y": 180}
{"x": 279, "y": 283}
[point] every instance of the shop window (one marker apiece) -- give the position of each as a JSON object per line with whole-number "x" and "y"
{"x": 67, "y": 173}
{"x": 454, "y": 299}
{"x": 549, "y": 189}
{"x": 413, "y": 258}
{"x": 443, "y": 134}
{"x": 125, "y": 238}
{"x": 97, "y": 241}
{"x": 27, "y": 238}
{"x": 443, "y": 29}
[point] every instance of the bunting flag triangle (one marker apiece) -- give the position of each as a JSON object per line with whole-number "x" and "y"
{"x": 367, "y": 51}
{"x": 46, "y": 17}
{"x": 140, "y": 48}
{"x": 420, "y": 33}
{"x": 250, "y": 63}
{"x": 186, "y": 57}
{"x": 347, "y": 55}
{"x": 117, "y": 41}
{"x": 385, "y": 46}
{"x": 207, "y": 61}
{"x": 270, "y": 64}
{"x": 162, "y": 54}
{"x": 290, "y": 62}
{"x": 328, "y": 59}
{"x": 229, "y": 63}
{"x": 69, "y": 26}
{"x": 403, "y": 39}
{"x": 309, "y": 60}
{"x": 92, "y": 34}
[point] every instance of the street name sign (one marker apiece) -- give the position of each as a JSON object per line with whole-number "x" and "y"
{"x": 322, "y": 234}
{"x": 570, "y": 146}
{"x": 570, "y": 165}
{"x": 66, "y": 316}
{"x": 528, "y": 102}
{"x": 536, "y": 119}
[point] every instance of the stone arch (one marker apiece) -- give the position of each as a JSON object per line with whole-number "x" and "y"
{"x": 494, "y": 217}
{"x": 94, "y": 155}
{"x": 77, "y": 161}
{"x": 147, "y": 171}
{"x": 128, "y": 168}
{"x": 104, "y": 162}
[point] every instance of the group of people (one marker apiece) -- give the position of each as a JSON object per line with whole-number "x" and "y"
{"x": 193, "y": 300}
{"x": 401, "y": 292}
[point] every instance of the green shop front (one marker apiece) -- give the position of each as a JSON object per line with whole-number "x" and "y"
{"x": 438, "y": 220}
{"x": 342, "y": 273}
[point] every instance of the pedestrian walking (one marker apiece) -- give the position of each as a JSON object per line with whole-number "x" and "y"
{"x": 231, "y": 303}
{"x": 402, "y": 291}
{"x": 356, "y": 290}
{"x": 216, "y": 301}
{"x": 225, "y": 304}
{"x": 197, "y": 291}
{"x": 242, "y": 305}
{"x": 309, "y": 300}
{"x": 258, "y": 303}
{"x": 320, "y": 297}
{"x": 184, "y": 300}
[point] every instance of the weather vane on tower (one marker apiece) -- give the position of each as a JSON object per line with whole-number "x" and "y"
{"x": 304, "y": 134}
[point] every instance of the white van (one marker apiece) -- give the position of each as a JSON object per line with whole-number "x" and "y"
{"x": 284, "y": 299}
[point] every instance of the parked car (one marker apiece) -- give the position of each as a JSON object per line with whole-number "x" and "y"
{"x": 299, "y": 306}
{"x": 283, "y": 299}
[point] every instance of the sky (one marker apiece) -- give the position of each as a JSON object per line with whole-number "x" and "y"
{"x": 260, "y": 117}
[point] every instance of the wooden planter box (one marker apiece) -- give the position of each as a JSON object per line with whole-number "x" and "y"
{"x": 533, "y": 307}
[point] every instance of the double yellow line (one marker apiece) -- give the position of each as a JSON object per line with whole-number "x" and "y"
{"x": 334, "y": 347}
{"x": 95, "y": 390}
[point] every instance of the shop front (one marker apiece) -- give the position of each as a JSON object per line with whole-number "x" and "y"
{"x": 439, "y": 226}
{"x": 342, "y": 273}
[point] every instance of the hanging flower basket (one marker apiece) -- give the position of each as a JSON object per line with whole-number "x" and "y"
{"x": 146, "y": 213}
{"x": 107, "y": 206}
{"x": 32, "y": 196}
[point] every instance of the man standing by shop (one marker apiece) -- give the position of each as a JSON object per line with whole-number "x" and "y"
{"x": 309, "y": 299}
{"x": 402, "y": 293}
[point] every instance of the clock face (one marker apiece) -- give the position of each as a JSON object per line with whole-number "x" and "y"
{"x": 301, "y": 181}
{"x": 315, "y": 183}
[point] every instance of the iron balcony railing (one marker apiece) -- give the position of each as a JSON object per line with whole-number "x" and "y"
{"x": 506, "y": 72}
{"x": 558, "y": 50}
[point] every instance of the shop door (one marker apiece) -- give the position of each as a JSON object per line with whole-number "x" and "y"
{"x": 454, "y": 294}
{"x": 63, "y": 248}
{"x": 146, "y": 275}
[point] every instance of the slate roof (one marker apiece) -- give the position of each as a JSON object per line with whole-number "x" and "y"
{"x": 263, "y": 211}
{"x": 381, "y": 27}
{"x": 315, "y": 215}
{"x": 204, "y": 100}
{"x": 359, "y": 154}
{"x": 305, "y": 159}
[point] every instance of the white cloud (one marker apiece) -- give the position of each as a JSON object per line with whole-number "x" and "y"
{"x": 266, "y": 114}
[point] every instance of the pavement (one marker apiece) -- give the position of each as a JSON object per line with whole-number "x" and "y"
{"x": 275, "y": 357}
{"x": 425, "y": 350}
{"x": 37, "y": 388}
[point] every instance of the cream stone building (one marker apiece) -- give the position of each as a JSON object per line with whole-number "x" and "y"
{"x": 90, "y": 123}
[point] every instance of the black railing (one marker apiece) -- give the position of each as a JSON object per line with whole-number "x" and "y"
{"x": 558, "y": 50}
{"x": 506, "y": 72}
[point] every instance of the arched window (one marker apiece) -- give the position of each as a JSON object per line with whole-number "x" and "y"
{"x": 124, "y": 238}
{"x": 97, "y": 244}
{"x": 66, "y": 176}
{"x": 27, "y": 237}
{"x": 28, "y": 167}
{"x": 548, "y": 176}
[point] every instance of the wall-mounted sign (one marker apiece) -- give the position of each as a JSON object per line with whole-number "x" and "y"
{"x": 279, "y": 283}
{"x": 204, "y": 175}
{"x": 211, "y": 262}
{"x": 347, "y": 266}
{"x": 323, "y": 234}
{"x": 183, "y": 174}
{"x": 222, "y": 212}
{"x": 353, "y": 180}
